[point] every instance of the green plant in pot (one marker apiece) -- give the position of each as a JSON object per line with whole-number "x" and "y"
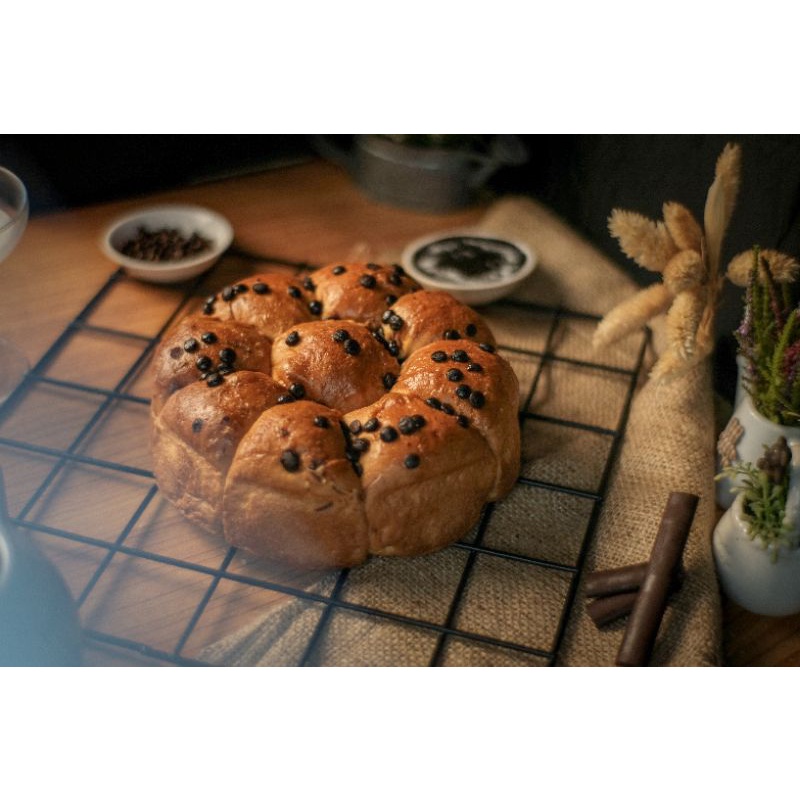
{"x": 768, "y": 404}
{"x": 769, "y": 336}
{"x": 764, "y": 487}
{"x": 755, "y": 543}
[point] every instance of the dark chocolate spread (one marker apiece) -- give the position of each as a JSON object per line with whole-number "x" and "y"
{"x": 473, "y": 258}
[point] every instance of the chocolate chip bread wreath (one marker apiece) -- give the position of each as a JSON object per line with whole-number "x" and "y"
{"x": 315, "y": 421}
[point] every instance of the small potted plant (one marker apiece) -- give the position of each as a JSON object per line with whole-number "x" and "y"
{"x": 768, "y": 338}
{"x": 755, "y": 543}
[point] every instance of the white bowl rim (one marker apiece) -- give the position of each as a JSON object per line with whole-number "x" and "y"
{"x": 24, "y": 208}
{"x": 219, "y": 246}
{"x": 466, "y": 284}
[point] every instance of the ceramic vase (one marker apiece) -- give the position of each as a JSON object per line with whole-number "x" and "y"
{"x": 741, "y": 371}
{"x": 763, "y": 580}
{"x": 744, "y": 439}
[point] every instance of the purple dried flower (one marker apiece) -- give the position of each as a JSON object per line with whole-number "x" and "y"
{"x": 791, "y": 362}
{"x": 745, "y": 333}
{"x": 774, "y": 301}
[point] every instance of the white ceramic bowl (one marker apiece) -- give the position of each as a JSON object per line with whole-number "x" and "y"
{"x": 186, "y": 219}
{"x": 451, "y": 261}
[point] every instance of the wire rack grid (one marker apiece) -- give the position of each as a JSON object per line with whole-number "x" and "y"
{"x": 152, "y": 590}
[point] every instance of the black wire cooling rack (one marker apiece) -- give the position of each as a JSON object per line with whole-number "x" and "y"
{"x": 117, "y": 568}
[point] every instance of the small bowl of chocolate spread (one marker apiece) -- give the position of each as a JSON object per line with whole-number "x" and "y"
{"x": 475, "y": 267}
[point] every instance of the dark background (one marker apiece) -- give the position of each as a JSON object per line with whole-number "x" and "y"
{"x": 582, "y": 177}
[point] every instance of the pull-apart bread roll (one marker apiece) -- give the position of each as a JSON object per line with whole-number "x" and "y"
{"x": 268, "y": 303}
{"x": 424, "y": 474}
{"x": 196, "y": 435}
{"x": 479, "y": 387}
{"x": 360, "y": 292}
{"x": 427, "y": 316}
{"x": 199, "y": 348}
{"x": 292, "y": 493}
{"x": 339, "y": 365}
{"x": 317, "y": 420}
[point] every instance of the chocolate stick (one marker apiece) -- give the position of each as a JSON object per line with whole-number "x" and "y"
{"x": 613, "y": 581}
{"x": 619, "y": 580}
{"x": 651, "y": 600}
{"x": 606, "y": 609}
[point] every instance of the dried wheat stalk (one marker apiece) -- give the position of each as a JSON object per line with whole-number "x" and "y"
{"x": 687, "y": 256}
{"x": 783, "y": 268}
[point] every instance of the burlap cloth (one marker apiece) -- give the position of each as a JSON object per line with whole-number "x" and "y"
{"x": 668, "y": 446}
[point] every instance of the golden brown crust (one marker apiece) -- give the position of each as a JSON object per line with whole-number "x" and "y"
{"x": 243, "y": 450}
{"x": 196, "y": 434}
{"x": 360, "y": 291}
{"x": 478, "y": 385}
{"x": 428, "y": 316}
{"x": 292, "y": 495}
{"x": 177, "y": 362}
{"x": 269, "y": 301}
{"x": 339, "y": 364}
{"x": 426, "y": 483}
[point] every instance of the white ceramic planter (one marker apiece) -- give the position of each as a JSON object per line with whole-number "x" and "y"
{"x": 757, "y": 433}
{"x": 749, "y": 573}
{"x": 741, "y": 392}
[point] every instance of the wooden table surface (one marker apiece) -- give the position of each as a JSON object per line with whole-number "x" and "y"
{"x": 308, "y": 212}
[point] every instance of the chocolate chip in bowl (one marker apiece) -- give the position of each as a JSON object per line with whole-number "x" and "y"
{"x": 164, "y": 244}
{"x": 167, "y": 243}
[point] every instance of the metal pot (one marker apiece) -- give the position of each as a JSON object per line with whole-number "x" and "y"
{"x": 423, "y": 178}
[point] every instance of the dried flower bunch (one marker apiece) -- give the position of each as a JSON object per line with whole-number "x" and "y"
{"x": 687, "y": 255}
{"x": 769, "y": 335}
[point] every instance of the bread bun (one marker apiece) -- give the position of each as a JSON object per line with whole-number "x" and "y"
{"x": 430, "y": 316}
{"x": 479, "y": 387}
{"x": 424, "y": 475}
{"x": 338, "y": 365}
{"x": 191, "y": 352}
{"x": 348, "y": 291}
{"x": 268, "y": 302}
{"x": 292, "y": 493}
{"x": 314, "y": 421}
{"x": 195, "y": 437}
